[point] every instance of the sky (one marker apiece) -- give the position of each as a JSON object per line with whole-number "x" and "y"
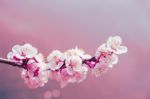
{"x": 64, "y": 24}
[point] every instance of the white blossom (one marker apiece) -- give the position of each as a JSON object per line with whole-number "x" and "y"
{"x": 77, "y": 52}
{"x": 34, "y": 70}
{"x": 55, "y": 60}
{"x": 106, "y": 55}
{"x": 22, "y": 52}
{"x": 36, "y": 74}
{"x": 115, "y": 44}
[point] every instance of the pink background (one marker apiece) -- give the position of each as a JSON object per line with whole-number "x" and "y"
{"x": 63, "y": 24}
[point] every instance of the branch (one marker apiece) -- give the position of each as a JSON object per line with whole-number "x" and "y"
{"x": 10, "y": 62}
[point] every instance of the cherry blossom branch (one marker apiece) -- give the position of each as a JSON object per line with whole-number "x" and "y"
{"x": 66, "y": 67}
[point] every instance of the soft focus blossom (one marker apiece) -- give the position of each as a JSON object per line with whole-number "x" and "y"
{"x": 22, "y": 52}
{"x": 64, "y": 78}
{"x": 115, "y": 44}
{"x": 34, "y": 70}
{"x": 99, "y": 69}
{"x": 102, "y": 49}
{"x": 36, "y": 74}
{"x": 105, "y": 62}
{"x": 77, "y": 52}
{"x": 55, "y": 60}
{"x": 74, "y": 65}
{"x": 106, "y": 55}
{"x": 73, "y": 69}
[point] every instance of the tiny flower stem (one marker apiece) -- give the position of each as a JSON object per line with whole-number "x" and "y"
{"x": 90, "y": 62}
{"x": 10, "y": 62}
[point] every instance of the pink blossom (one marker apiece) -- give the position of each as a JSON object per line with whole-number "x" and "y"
{"x": 36, "y": 74}
{"x": 74, "y": 65}
{"x": 34, "y": 70}
{"x": 55, "y": 60}
{"x": 106, "y": 55}
{"x": 105, "y": 62}
{"x": 74, "y": 59}
{"x": 22, "y": 52}
{"x": 73, "y": 70}
{"x": 99, "y": 69}
{"x": 77, "y": 52}
{"x": 115, "y": 44}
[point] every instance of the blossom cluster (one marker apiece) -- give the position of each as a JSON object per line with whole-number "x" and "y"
{"x": 34, "y": 70}
{"x": 66, "y": 67}
{"x": 106, "y": 55}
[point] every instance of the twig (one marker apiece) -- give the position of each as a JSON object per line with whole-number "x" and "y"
{"x": 10, "y": 62}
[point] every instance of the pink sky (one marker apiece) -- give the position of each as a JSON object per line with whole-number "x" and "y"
{"x": 63, "y": 24}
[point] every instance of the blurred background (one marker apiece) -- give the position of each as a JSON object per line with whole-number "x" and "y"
{"x": 63, "y": 24}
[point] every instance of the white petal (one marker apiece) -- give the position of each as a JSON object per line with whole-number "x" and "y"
{"x": 55, "y": 53}
{"x": 10, "y": 55}
{"x": 55, "y": 59}
{"x": 30, "y": 50}
{"x": 124, "y": 49}
{"x": 109, "y": 40}
{"x": 39, "y": 57}
{"x": 114, "y": 59}
{"x": 16, "y": 49}
{"x": 100, "y": 49}
{"x": 121, "y": 50}
{"x": 114, "y": 42}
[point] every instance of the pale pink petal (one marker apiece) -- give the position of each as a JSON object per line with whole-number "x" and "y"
{"x": 121, "y": 50}
{"x": 99, "y": 69}
{"x": 16, "y": 49}
{"x": 114, "y": 60}
{"x": 55, "y": 60}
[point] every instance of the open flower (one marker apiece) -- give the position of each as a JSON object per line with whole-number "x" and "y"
{"x": 73, "y": 70}
{"x": 22, "y": 52}
{"x": 73, "y": 61}
{"x": 64, "y": 77}
{"x": 105, "y": 62}
{"x": 55, "y": 60}
{"x": 77, "y": 52}
{"x": 115, "y": 44}
{"x": 73, "y": 64}
{"x": 34, "y": 70}
{"x": 36, "y": 74}
{"x": 102, "y": 49}
{"x": 106, "y": 55}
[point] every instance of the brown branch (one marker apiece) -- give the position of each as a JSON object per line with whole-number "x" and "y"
{"x": 11, "y": 62}
{"x": 24, "y": 62}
